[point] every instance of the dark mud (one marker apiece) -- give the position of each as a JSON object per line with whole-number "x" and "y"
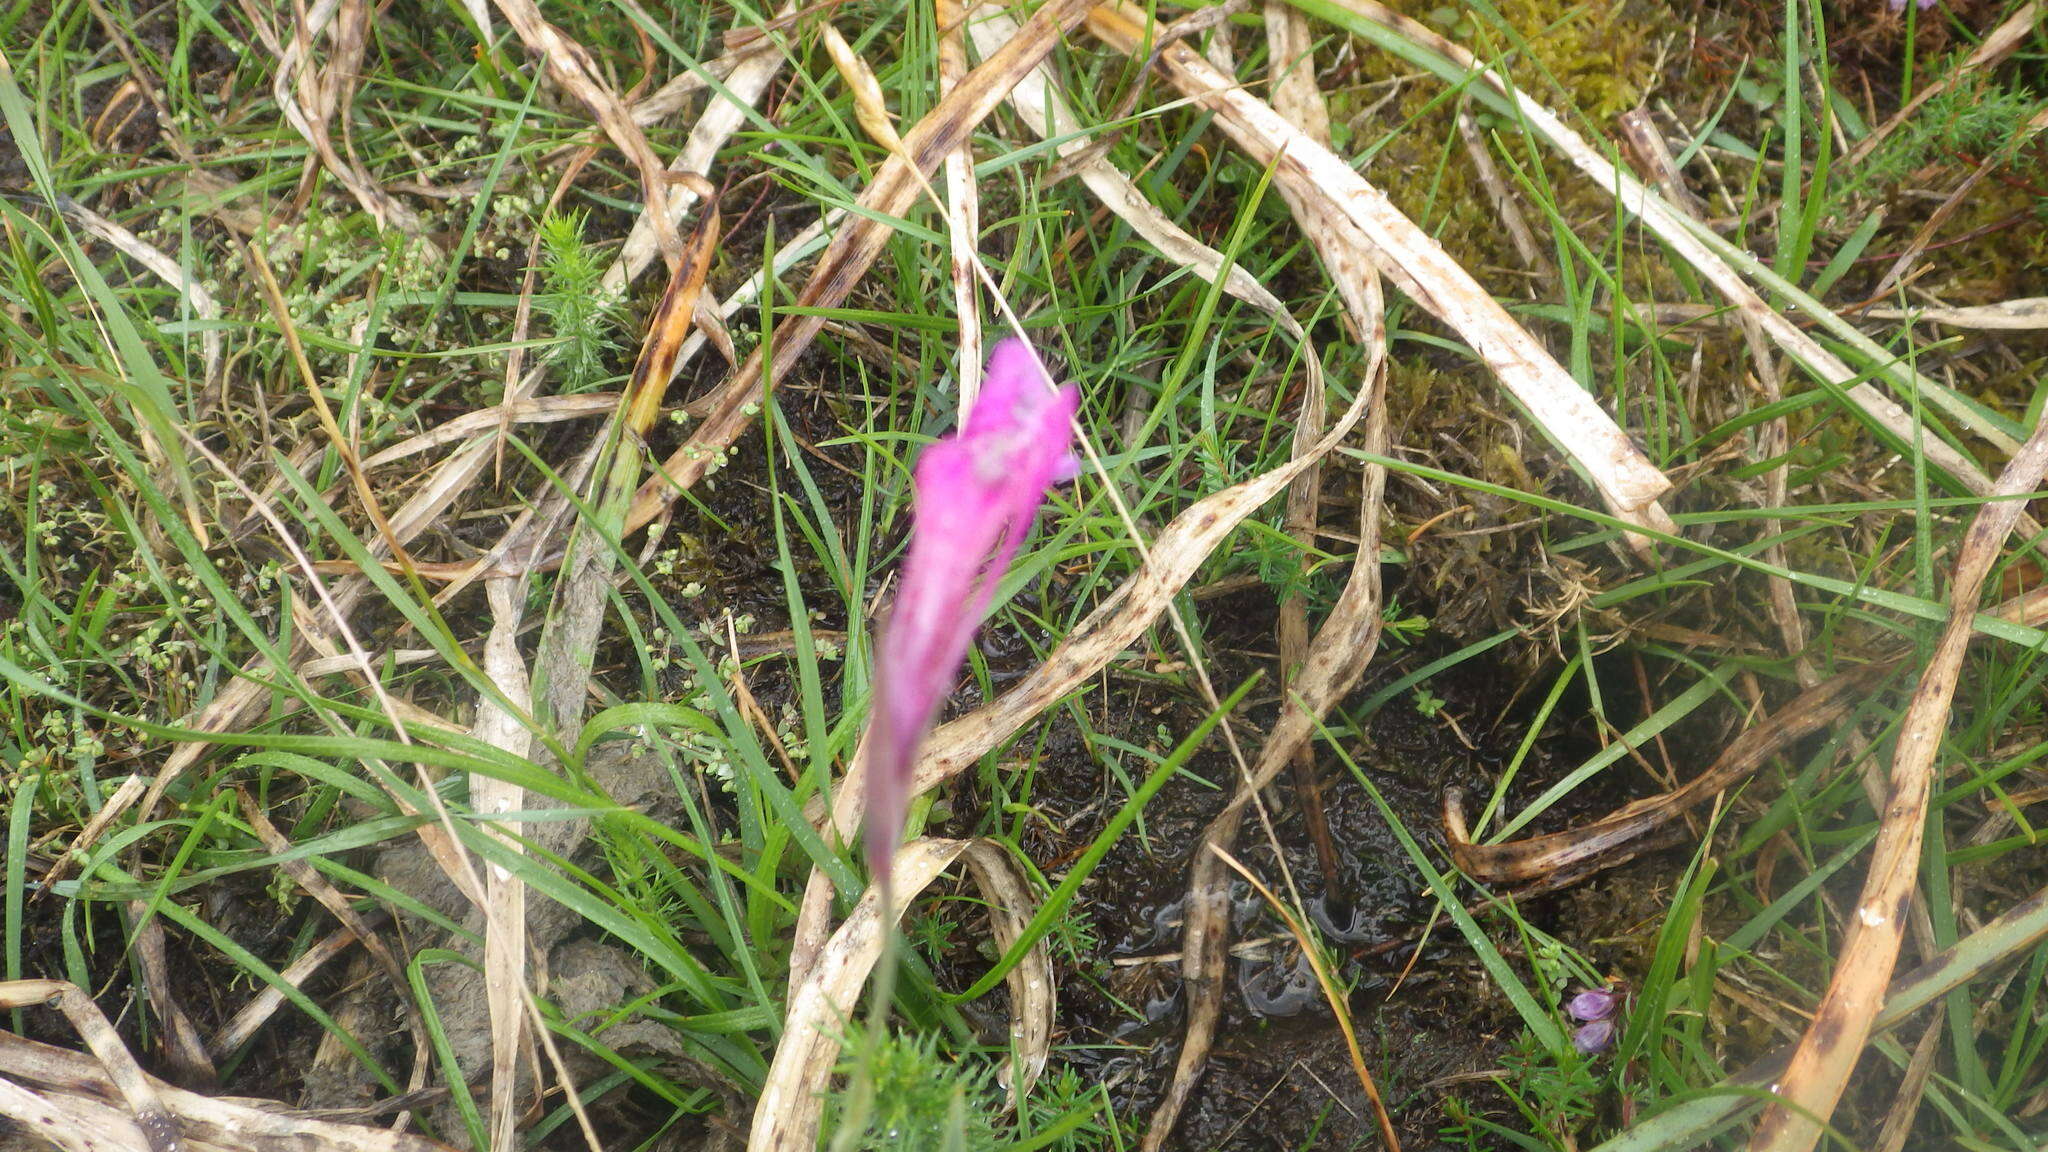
{"x": 1280, "y": 1075}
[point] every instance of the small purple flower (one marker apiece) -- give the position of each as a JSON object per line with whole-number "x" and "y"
{"x": 976, "y": 493}
{"x": 1593, "y": 1039}
{"x": 1595, "y": 1009}
{"x": 1593, "y": 1004}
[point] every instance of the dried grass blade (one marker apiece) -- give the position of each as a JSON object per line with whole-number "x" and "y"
{"x": 117, "y": 803}
{"x": 1820, "y": 1068}
{"x": 539, "y": 410}
{"x": 1694, "y": 244}
{"x": 320, "y": 889}
{"x": 855, "y": 247}
{"x": 1564, "y": 857}
{"x": 183, "y": 1053}
{"x": 208, "y": 1121}
{"x": 792, "y": 1101}
{"x": 137, "y": 1090}
{"x": 1290, "y": 50}
{"x": 1337, "y": 656}
{"x": 1497, "y": 191}
{"x": 1033, "y": 995}
{"x": 69, "y": 1123}
{"x": 1046, "y": 112}
{"x": 669, "y": 99}
{"x": 723, "y": 115}
{"x": 573, "y": 68}
{"x": 1628, "y": 483}
{"x": 438, "y": 835}
{"x": 250, "y": 1018}
{"x": 963, "y": 204}
{"x": 2026, "y": 314}
{"x": 820, "y": 1006}
{"x": 504, "y": 909}
{"x": 1295, "y": 96}
{"x": 193, "y": 291}
{"x": 1646, "y": 145}
{"x": 308, "y": 104}
{"x": 343, "y": 446}
{"x": 1304, "y": 503}
{"x": 1912, "y": 1090}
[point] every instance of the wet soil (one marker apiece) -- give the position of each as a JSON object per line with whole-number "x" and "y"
{"x": 1280, "y": 1075}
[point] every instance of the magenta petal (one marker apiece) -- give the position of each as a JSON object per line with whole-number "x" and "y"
{"x": 976, "y": 493}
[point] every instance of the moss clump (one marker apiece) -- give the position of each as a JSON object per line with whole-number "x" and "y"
{"x": 1596, "y": 57}
{"x": 1589, "y": 62}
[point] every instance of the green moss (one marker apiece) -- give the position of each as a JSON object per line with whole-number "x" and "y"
{"x": 1589, "y": 62}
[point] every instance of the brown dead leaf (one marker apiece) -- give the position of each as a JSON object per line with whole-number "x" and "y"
{"x": 667, "y": 327}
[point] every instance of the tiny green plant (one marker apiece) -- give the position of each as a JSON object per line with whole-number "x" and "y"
{"x": 582, "y": 316}
{"x": 1976, "y": 119}
{"x": 923, "y": 1098}
{"x": 1402, "y": 627}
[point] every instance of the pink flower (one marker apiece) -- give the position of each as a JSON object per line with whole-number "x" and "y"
{"x": 977, "y": 492}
